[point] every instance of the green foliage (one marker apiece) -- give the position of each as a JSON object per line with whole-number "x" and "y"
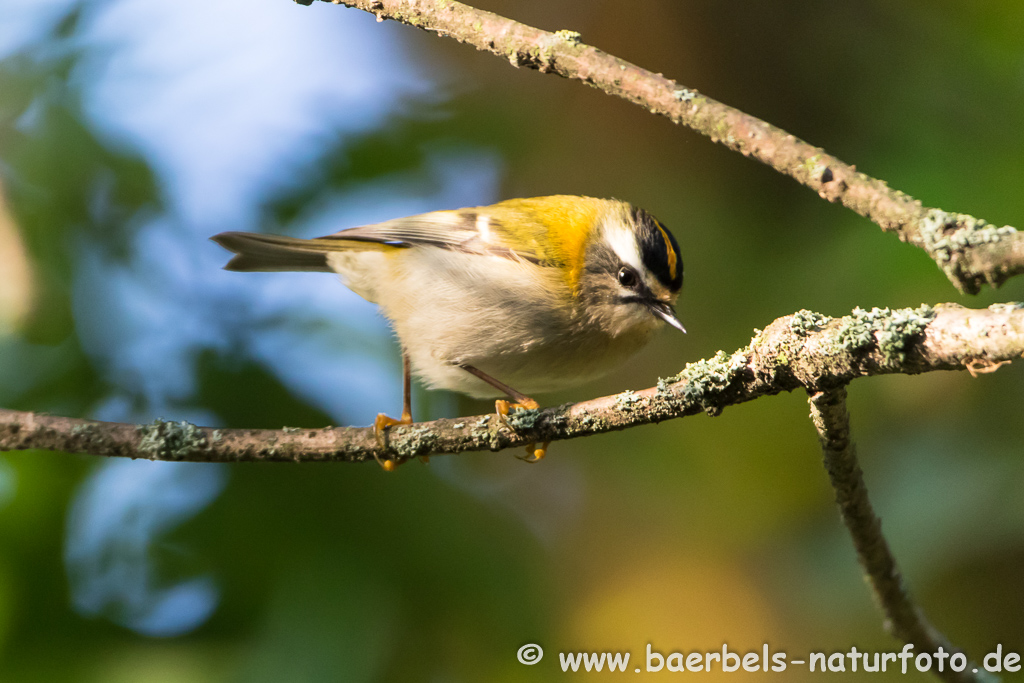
{"x": 64, "y": 184}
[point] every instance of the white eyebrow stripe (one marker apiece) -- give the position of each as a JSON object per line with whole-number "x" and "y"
{"x": 623, "y": 243}
{"x": 483, "y": 226}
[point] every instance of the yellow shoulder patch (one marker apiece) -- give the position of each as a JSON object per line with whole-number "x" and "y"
{"x": 554, "y": 229}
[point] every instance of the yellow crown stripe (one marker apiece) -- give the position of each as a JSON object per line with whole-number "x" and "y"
{"x": 672, "y": 259}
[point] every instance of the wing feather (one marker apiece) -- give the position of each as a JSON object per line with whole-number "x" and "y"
{"x": 439, "y": 228}
{"x": 549, "y": 231}
{"x": 257, "y": 252}
{"x": 544, "y": 230}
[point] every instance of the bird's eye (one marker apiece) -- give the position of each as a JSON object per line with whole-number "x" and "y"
{"x": 628, "y": 277}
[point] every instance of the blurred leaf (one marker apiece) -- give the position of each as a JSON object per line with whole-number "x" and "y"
{"x": 63, "y": 183}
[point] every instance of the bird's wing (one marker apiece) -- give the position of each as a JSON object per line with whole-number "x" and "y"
{"x": 544, "y": 230}
{"x": 260, "y": 252}
{"x": 548, "y": 231}
{"x": 448, "y": 229}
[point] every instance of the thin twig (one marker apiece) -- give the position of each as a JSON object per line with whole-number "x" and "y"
{"x": 969, "y": 250}
{"x": 800, "y": 350}
{"x": 904, "y": 619}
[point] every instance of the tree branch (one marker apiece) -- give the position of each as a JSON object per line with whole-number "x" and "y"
{"x": 970, "y": 251}
{"x": 904, "y": 619}
{"x": 803, "y": 350}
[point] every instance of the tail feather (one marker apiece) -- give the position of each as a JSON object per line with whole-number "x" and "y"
{"x": 268, "y": 253}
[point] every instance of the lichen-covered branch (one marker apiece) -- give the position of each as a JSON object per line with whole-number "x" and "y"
{"x": 904, "y": 618}
{"x": 803, "y": 350}
{"x": 970, "y": 251}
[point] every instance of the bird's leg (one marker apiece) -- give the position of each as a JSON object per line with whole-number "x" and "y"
{"x": 383, "y": 421}
{"x": 503, "y": 407}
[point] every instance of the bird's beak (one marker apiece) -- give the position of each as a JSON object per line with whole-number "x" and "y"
{"x": 665, "y": 312}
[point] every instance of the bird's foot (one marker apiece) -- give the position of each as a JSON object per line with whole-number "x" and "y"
{"x": 534, "y": 454}
{"x": 503, "y": 408}
{"x": 380, "y": 426}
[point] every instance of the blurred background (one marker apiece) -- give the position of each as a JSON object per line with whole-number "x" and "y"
{"x": 131, "y": 131}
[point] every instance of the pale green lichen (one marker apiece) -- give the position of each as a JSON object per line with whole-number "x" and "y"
{"x": 408, "y": 442}
{"x": 854, "y": 332}
{"x": 708, "y": 377}
{"x": 665, "y": 384}
{"x": 481, "y": 428}
{"x": 627, "y": 400}
{"x": 684, "y": 94}
{"x": 592, "y": 423}
{"x": 522, "y": 419}
{"x": 94, "y": 436}
{"x": 525, "y": 420}
{"x": 556, "y": 420}
{"x": 161, "y": 440}
{"x": 804, "y": 322}
{"x": 891, "y": 329}
{"x": 571, "y": 37}
{"x": 945, "y": 233}
{"x": 1006, "y": 307}
{"x": 87, "y": 430}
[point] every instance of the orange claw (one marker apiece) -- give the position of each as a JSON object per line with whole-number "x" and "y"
{"x": 503, "y": 408}
{"x": 379, "y": 426}
{"x": 534, "y": 454}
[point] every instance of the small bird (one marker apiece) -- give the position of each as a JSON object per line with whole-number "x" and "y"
{"x": 536, "y": 294}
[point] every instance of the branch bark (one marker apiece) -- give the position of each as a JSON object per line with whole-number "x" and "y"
{"x": 904, "y": 619}
{"x": 803, "y": 350}
{"x": 970, "y": 251}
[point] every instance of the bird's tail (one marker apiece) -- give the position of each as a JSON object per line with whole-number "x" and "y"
{"x": 259, "y": 252}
